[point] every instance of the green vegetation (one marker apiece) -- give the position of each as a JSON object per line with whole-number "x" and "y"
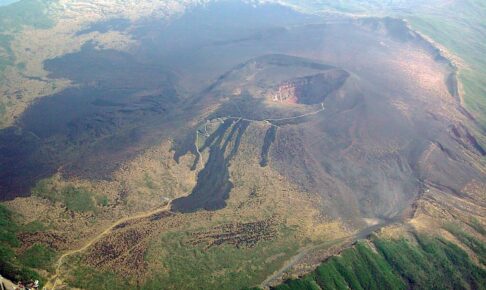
{"x": 3, "y": 108}
{"x": 25, "y": 13}
{"x": 431, "y": 263}
{"x": 149, "y": 183}
{"x": 299, "y": 284}
{"x": 8, "y": 228}
{"x": 74, "y": 198}
{"x": 10, "y": 267}
{"x": 13, "y": 18}
{"x": 461, "y": 27}
{"x": 359, "y": 268}
{"x": 174, "y": 261}
{"x": 38, "y": 256}
{"x": 21, "y": 66}
{"x": 471, "y": 242}
{"x": 88, "y": 278}
{"x": 102, "y": 200}
{"x": 78, "y": 199}
{"x": 477, "y": 226}
{"x": 8, "y": 240}
{"x": 218, "y": 267}
{"x": 32, "y": 227}
{"x": 7, "y": 56}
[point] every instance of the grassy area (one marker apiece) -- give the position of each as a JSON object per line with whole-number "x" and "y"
{"x": 7, "y": 56}
{"x": 432, "y": 263}
{"x": 75, "y": 198}
{"x": 38, "y": 256}
{"x": 174, "y": 262}
{"x": 78, "y": 199}
{"x": 88, "y": 278}
{"x": 300, "y": 284}
{"x": 11, "y": 267}
{"x": 461, "y": 27}
{"x": 102, "y": 200}
{"x": 470, "y": 241}
{"x": 219, "y": 267}
{"x": 476, "y": 225}
{"x": 8, "y": 228}
{"x": 25, "y": 13}
{"x": 13, "y": 18}
{"x": 34, "y": 226}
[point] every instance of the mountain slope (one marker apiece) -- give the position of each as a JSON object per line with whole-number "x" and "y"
{"x": 218, "y": 152}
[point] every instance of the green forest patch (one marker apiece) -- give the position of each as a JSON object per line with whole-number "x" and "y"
{"x": 73, "y": 197}
{"x": 88, "y": 278}
{"x": 11, "y": 267}
{"x": 431, "y": 263}
{"x": 218, "y": 267}
{"x": 38, "y": 256}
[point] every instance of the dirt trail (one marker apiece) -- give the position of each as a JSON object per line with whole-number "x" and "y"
{"x": 52, "y": 283}
{"x": 295, "y": 259}
{"x": 269, "y": 120}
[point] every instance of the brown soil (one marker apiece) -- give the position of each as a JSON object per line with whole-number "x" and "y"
{"x": 245, "y": 235}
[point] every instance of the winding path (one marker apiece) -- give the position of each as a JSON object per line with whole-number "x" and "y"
{"x": 52, "y": 283}
{"x": 54, "y": 280}
{"x": 267, "y": 121}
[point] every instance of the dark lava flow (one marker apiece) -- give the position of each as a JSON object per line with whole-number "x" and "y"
{"x": 363, "y": 155}
{"x": 126, "y": 102}
{"x": 213, "y": 184}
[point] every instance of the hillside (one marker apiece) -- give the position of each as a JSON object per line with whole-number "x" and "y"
{"x": 233, "y": 144}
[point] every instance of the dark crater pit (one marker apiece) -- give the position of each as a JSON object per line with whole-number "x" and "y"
{"x": 311, "y": 89}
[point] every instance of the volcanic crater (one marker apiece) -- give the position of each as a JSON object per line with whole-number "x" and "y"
{"x": 309, "y": 90}
{"x": 356, "y": 106}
